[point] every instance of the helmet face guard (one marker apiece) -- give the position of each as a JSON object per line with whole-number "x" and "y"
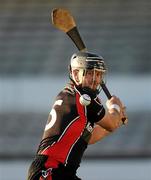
{"x": 83, "y": 63}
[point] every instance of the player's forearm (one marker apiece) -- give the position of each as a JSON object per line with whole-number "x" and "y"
{"x": 114, "y": 114}
{"x": 114, "y": 119}
{"x": 111, "y": 121}
{"x": 98, "y": 133}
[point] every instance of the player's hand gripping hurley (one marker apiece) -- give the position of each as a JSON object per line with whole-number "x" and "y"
{"x": 64, "y": 21}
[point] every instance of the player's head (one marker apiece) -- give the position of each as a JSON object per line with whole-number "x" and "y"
{"x": 87, "y": 70}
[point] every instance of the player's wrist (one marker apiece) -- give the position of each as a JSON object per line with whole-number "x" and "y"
{"x": 115, "y": 107}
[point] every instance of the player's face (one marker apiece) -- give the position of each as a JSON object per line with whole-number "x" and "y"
{"x": 92, "y": 79}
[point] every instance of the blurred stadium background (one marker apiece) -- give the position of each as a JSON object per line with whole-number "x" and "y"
{"x": 33, "y": 68}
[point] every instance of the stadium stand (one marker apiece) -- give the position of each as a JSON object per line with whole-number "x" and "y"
{"x": 120, "y": 30}
{"x": 29, "y": 46}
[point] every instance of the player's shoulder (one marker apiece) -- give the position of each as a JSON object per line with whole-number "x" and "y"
{"x": 69, "y": 89}
{"x": 67, "y": 96}
{"x": 67, "y": 92}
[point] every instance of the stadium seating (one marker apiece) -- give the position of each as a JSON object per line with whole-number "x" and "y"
{"x": 119, "y": 30}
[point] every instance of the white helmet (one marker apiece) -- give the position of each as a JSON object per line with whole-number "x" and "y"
{"x": 83, "y": 61}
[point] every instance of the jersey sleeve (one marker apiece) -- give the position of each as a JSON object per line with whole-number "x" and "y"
{"x": 95, "y": 111}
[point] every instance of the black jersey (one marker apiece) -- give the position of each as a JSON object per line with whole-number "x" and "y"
{"x": 69, "y": 128}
